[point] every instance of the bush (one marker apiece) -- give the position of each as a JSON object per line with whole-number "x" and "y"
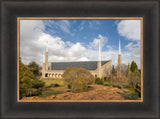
{"x": 53, "y": 85}
{"x": 99, "y": 81}
{"x": 135, "y": 78}
{"x": 38, "y": 83}
{"x": 77, "y": 79}
{"x": 56, "y": 85}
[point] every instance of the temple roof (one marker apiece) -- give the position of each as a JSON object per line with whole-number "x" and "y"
{"x": 89, "y": 65}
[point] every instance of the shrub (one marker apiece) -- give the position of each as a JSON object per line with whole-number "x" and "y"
{"x": 99, "y": 81}
{"x": 37, "y": 83}
{"x": 53, "y": 85}
{"x": 77, "y": 79}
{"x": 135, "y": 78}
{"x": 56, "y": 85}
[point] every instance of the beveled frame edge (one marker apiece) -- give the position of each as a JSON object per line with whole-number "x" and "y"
{"x": 148, "y": 109}
{"x": 76, "y": 18}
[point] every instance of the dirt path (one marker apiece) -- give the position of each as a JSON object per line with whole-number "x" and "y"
{"x": 97, "y": 92}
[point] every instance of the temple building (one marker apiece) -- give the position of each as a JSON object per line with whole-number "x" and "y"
{"x": 55, "y": 69}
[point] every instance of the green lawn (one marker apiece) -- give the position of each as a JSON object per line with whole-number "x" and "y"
{"x": 50, "y": 92}
{"x": 53, "y": 81}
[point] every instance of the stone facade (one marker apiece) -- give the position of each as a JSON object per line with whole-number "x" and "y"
{"x": 101, "y": 71}
{"x": 55, "y": 70}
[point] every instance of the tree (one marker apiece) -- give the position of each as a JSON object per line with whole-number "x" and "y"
{"x": 128, "y": 68}
{"x": 113, "y": 70}
{"x": 77, "y": 78}
{"x": 34, "y": 67}
{"x": 135, "y": 78}
{"x": 134, "y": 66}
{"x": 124, "y": 69}
{"x": 38, "y": 84}
{"x": 27, "y": 81}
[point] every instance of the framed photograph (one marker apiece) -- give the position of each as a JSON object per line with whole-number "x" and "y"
{"x": 80, "y": 59}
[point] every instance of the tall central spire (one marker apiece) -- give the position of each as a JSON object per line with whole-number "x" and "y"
{"x": 43, "y": 55}
{"x": 47, "y": 46}
{"x": 99, "y": 62}
{"x": 99, "y": 50}
{"x": 119, "y": 61}
{"x": 119, "y": 47}
{"x": 46, "y": 58}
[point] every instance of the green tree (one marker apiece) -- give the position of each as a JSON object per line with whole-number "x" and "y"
{"x": 27, "y": 81}
{"x": 134, "y": 66}
{"x": 135, "y": 78}
{"x": 34, "y": 67}
{"x": 128, "y": 69}
{"x": 38, "y": 84}
{"x": 113, "y": 70}
{"x": 77, "y": 78}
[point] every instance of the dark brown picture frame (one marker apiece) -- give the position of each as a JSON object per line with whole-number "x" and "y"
{"x": 11, "y": 9}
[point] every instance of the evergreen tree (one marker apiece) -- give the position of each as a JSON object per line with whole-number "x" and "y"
{"x": 113, "y": 70}
{"x": 34, "y": 67}
{"x": 134, "y": 66}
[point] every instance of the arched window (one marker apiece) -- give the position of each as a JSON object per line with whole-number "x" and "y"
{"x": 46, "y": 75}
{"x": 56, "y": 75}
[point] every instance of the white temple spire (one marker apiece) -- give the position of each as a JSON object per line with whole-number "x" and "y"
{"x": 119, "y": 47}
{"x": 47, "y": 46}
{"x": 99, "y": 51}
{"x": 43, "y": 56}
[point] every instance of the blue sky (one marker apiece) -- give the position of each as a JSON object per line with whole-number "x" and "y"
{"x": 85, "y": 31}
{"x": 76, "y": 40}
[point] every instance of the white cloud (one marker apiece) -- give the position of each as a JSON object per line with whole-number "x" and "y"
{"x": 109, "y": 47}
{"x": 93, "y": 24}
{"x": 130, "y": 29}
{"x": 95, "y": 43}
{"x": 63, "y": 25}
{"x": 134, "y": 48}
{"x": 33, "y": 42}
{"x": 82, "y": 25}
{"x": 76, "y": 50}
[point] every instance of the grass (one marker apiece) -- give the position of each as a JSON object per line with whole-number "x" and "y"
{"x": 130, "y": 94}
{"x": 53, "y": 81}
{"x": 50, "y": 92}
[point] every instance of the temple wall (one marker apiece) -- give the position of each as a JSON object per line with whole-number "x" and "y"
{"x": 105, "y": 70}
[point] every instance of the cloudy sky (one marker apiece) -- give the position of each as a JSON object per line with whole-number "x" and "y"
{"x": 77, "y": 40}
